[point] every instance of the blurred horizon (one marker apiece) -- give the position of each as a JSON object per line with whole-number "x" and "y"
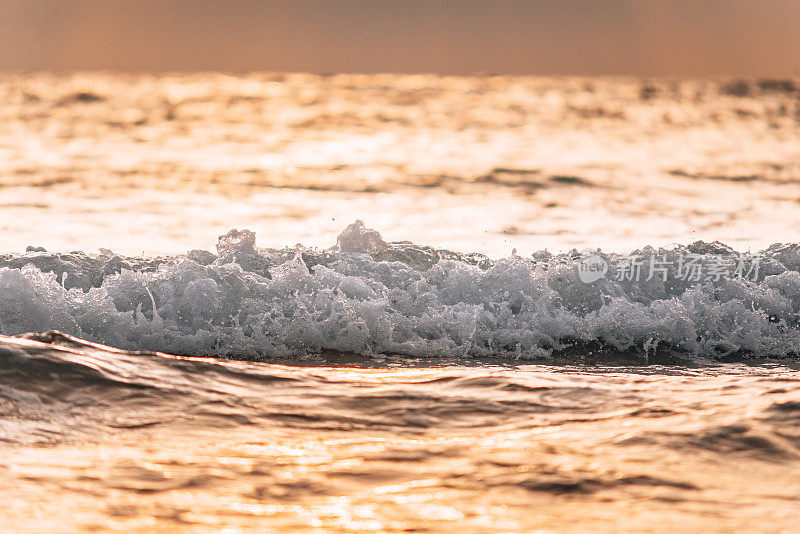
{"x": 736, "y": 38}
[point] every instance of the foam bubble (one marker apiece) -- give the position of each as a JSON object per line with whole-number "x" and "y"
{"x": 371, "y": 297}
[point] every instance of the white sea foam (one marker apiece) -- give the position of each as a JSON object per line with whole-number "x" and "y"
{"x": 371, "y": 297}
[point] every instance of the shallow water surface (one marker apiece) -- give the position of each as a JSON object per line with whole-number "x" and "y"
{"x": 133, "y": 441}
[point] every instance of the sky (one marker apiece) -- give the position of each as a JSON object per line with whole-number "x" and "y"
{"x": 557, "y": 37}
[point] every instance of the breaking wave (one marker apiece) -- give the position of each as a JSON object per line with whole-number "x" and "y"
{"x": 370, "y": 297}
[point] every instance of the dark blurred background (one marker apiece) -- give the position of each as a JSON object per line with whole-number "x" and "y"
{"x": 654, "y": 38}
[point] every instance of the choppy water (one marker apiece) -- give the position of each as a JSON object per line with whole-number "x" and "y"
{"x": 373, "y": 298}
{"x": 442, "y": 371}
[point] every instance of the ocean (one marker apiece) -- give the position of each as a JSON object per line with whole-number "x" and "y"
{"x": 396, "y": 303}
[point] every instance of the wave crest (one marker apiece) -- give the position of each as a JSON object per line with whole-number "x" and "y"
{"x": 367, "y": 296}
